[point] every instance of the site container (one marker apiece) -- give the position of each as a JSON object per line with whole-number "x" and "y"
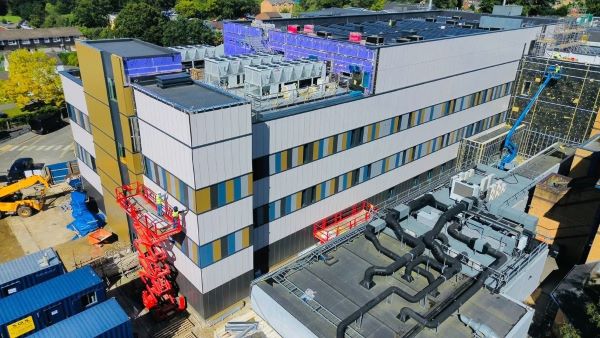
{"x": 105, "y": 320}
{"x": 30, "y": 270}
{"x": 50, "y": 302}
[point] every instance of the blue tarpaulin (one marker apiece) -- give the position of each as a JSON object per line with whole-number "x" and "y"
{"x": 85, "y": 221}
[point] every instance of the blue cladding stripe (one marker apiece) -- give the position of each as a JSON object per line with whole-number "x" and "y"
{"x": 237, "y": 188}
{"x": 230, "y": 244}
{"x": 277, "y": 162}
{"x": 288, "y": 204}
{"x": 321, "y": 147}
{"x": 431, "y": 113}
{"x": 206, "y": 255}
{"x": 349, "y": 141}
{"x": 221, "y": 192}
{"x": 462, "y": 102}
{"x": 434, "y": 144}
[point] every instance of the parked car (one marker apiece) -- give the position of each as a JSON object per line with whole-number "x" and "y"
{"x": 19, "y": 166}
{"x": 46, "y": 123}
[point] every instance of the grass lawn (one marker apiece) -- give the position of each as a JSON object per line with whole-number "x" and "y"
{"x": 13, "y": 112}
{"x": 10, "y": 18}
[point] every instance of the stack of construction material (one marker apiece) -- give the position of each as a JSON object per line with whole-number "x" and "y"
{"x": 85, "y": 221}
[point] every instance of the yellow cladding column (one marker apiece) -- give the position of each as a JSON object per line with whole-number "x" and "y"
{"x": 125, "y": 102}
{"x": 107, "y": 165}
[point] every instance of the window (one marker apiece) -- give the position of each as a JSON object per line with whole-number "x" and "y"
{"x": 47, "y": 40}
{"x": 10, "y": 288}
{"x": 67, "y": 38}
{"x": 12, "y": 42}
{"x": 134, "y": 129}
{"x": 36, "y": 41}
{"x": 25, "y": 42}
{"x": 89, "y": 299}
{"x": 112, "y": 92}
{"x": 56, "y": 40}
{"x": 526, "y": 87}
{"x": 121, "y": 150}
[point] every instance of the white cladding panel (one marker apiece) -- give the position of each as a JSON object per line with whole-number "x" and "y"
{"x": 293, "y": 180}
{"x": 284, "y": 133}
{"x": 221, "y": 124}
{"x": 82, "y": 137}
{"x": 285, "y": 226}
{"x": 227, "y": 269}
{"x": 167, "y": 152}
{"x": 224, "y": 220}
{"x": 164, "y": 117}
{"x": 90, "y": 176}
{"x": 74, "y": 93}
{"x": 186, "y": 267}
{"x": 222, "y": 161}
{"x": 402, "y": 66}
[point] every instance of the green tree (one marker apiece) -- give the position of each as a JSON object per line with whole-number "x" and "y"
{"x": 140, "y": 20}
{"x": 32, "y": 78}
{"x": 445, "y": 3}
{"x": 486, "y": 6}
{"x": 95, "y": 33}
{"x": 92, "y": 13}
{"x": 188, "y": 8}
{"x": 69, "y": 59}
{"x": 593, "y": 7}
{"x": 65, "y": 6}
{"x": 569, "y": 331}
{"x": 378, "y": 5}
{"x": 230, "y": 9}
{"x": 3, "y": 7}
{"x": 30, "y": 10}
{"x": 186, "y": 32}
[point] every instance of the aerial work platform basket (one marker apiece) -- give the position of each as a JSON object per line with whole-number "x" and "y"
{"x": 335, "y": 225}
{"x": 153, "y": 238}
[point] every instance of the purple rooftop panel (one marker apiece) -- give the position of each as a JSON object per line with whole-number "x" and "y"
{"x": 152, "y": 65}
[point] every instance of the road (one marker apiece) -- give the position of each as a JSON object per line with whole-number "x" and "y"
{"x": 51, "y": 148}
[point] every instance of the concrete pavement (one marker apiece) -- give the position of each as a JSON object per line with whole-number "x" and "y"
{"x": 57, "y": 146}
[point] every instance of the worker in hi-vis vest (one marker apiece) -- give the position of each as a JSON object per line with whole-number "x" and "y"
{"x": 176, "y": 215}
{"x": 159, "y": 201}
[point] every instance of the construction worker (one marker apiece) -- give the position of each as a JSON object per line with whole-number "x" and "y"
{"x": 176, "y": 215}
{"x": 159, "y": 201}
{"x": 556, "y": 69}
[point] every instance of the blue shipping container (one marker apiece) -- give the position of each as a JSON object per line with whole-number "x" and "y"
{"x": 50, "y": 302}
{"x": 30, "y": 270}
{"x": 105, "y": 320}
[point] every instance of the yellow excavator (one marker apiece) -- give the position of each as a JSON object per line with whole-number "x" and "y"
{"x": 12, "y": 201}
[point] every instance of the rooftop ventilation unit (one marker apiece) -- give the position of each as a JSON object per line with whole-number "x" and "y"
{"x": 409, "y": 32}
{"x": 403, "y": 40}
{"x": 430, "y": 19}
{"x": 324, "y": 34}
{"x": 173, "y": 80}
{"x": 414, "y": 37}
{"x": 456, "y": 17}
{"x": 375, "y": 40}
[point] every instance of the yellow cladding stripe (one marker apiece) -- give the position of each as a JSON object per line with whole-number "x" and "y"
{"x": 413, "y": 118}
{"x": 300, "y": 155}
{"x": 330, "y": 142}
{"x": 193, "y": 252}
{"x": 451, "y": 109}
{"x": 216, "y": 250}
{"x": 126, "y": 132}
{"x": 284, "y": 160}
{"x": 345, "y": 141}
{"x": 331, "y": 186}
{"x": 169, "y": 188}
{"x": 229, "y": 191}
{"x": 423, "y": 113}
{"x": 377, "y": 127}
{"x": 124, "y": 94}
{"x": 315, "y": 151}
{"x": 428, "y": 147}
{"x": 349, "y": 179}
{"x": 396, "y": 124}
{"x": 298, "y": 200}
{"x": 250, "y": 184}
{"x": 245, "y": 237}
{"x": 106, "y": 142}
{"x": 318, "y": 192}
{"x": 92, "y": 73}
{"x": 202, "y": 200}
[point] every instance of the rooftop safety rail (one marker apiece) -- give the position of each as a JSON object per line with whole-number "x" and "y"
{"x": 330, "y": 227}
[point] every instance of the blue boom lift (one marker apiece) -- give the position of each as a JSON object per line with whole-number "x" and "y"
{"x": 552, "y": 73}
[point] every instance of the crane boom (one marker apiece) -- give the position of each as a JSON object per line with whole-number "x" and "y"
{"x": 552, "y": 73}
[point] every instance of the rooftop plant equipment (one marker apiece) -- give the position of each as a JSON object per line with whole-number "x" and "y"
{"x": 552, "y": 73}
{"x": 152, "y": 235}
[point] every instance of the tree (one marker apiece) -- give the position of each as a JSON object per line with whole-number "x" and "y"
{"x": 92, "y": 13}
{"x": 30, "y": 10}
{"x": 69, "y": 59}
{"x": 3, "y": 7}
{"x": 140, "y": 20}
{"x": 378, "y": 5}
{"x": 569, "y": 331}
{"x": 445, "y": 3}
{"x": 65, "y": 6}
{"x": 188, "y": 8}
{"x": 32, "y": 78}
{"x": 593, "y": 7}
{"x": 186, "y": 32}
{"x": 486, "y": 6}
{"x": 230, "y": 9}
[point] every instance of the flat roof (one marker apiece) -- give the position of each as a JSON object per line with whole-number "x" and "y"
{"x": 192, "y": 98}
{"x": 338, "y": 290}
{"x": 129, "y": 48}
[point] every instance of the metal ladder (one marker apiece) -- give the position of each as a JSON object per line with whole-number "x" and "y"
{"x": 315, "y": 306}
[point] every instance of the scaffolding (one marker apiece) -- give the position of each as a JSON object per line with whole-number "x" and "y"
{"x": 153, "y": 238}
{"x": 486, "y": 148}
{"x": 568, "y": 34}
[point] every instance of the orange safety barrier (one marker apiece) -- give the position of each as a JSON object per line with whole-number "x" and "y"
{"x": 335, "y": 225}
